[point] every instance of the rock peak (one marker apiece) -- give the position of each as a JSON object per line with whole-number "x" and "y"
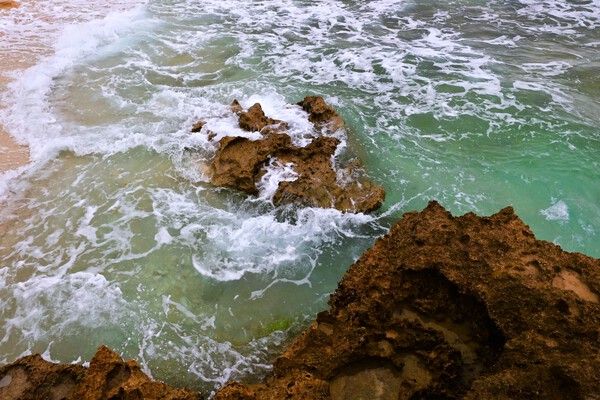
{"x": 320, "y": 179}
{"x": 450, "y": 307}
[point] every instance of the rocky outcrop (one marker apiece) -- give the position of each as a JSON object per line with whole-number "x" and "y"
{"x": 319, "y": 179}
{"x": 321, "y": 114}
{"x": 108, "y": 377}
{"x": 450, "y": 307}
{"x": 442, "y": 307}
{"x": 255, "y": 120}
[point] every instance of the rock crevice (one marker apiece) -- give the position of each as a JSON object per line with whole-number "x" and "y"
{"x": 450, "y": 308}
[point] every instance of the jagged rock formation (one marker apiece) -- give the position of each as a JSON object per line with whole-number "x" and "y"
{"x": 321, "y": 114}
{"x": 442, "y": 307}
{"x": 450, "y": 308}
{"x": 240, "y": 163}
{"x": 108, "y": 377}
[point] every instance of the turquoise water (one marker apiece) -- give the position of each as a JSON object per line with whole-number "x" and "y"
{"x": 115, "y": 236}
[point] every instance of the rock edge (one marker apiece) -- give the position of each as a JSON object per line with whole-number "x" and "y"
{"x": 319, "y": 179}
{"x": 448, "y": 307}
{"x": 107, "y": 377}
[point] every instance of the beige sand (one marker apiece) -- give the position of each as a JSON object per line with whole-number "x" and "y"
{"x": 31, "y": 47}
{"x": 12, "y": 155}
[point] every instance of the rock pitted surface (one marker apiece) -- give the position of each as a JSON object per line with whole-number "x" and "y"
{"x": 108, "y": 377}
{"x": 319, "y": 181}
{"x": 321, "y": 114}
{"x": 450, "y": 307}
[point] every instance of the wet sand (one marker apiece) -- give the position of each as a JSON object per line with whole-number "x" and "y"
{"x": 24, "y": 48}
{"x": 12, "y": 154}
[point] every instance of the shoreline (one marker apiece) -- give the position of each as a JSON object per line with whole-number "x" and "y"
{"x": 27, "y": 48}
{"x": 12, "y": 154}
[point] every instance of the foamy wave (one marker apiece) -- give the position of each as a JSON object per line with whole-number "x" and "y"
{"x": 558, "y": 211}
{"x": 30, "y": 118}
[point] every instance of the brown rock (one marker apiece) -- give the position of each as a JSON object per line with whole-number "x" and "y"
{"x": 239, "y": 160}
{"x": 33, "y": 378}
{"x": 236, "y": 107}
{"x": 450, "y": 308}
{"x": 108, "y": 377}
{"x": 321, "y": 114}
{"x": 255, "y": 120}
{"x": 240, "y": 163}
{"x": 197, "y": 127}
{"x": 317, "y": 184}
{"x": 4, "y": 4}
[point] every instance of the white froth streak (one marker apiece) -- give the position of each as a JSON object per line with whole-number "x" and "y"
{"x": 231, "y": 243}
{"x": 276, "y": 172}
{"x": 558, "y": 211}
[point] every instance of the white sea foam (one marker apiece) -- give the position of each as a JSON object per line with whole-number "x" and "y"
{"x": 558, "y": 211}
{"x": 561, "y": 17}
{"x": 251, "y": 245}
{"x": 87, "y": 301}
{"x": 30, "y": 118}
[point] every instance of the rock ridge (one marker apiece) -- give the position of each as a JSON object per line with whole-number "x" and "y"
{"x": 315, "y": 176}
{"x": 447, "y": 307}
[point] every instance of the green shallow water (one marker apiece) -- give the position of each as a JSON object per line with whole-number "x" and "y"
{"x": 115, "y": 236}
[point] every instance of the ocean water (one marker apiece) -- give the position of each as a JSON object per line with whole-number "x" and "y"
{"x": 113, "y": 235}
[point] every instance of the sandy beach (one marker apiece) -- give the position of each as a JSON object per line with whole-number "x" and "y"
{"x": 24, "y": 47}
{"x": 12, "y": 154}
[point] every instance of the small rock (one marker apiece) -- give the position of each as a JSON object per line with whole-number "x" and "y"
{"x": 236, "y": 107}
{"x": 108, "y": 377}
{"x": 321, "y": 114}
{"x": 255, "y": 120}
{"x": 5, "y": 381}
{"x": 240, "y": 163}
{"x": 197, "y": 127}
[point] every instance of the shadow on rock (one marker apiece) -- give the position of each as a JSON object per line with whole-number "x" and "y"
{"x": 450, "y": 307}
{"x": 319, "y": 179}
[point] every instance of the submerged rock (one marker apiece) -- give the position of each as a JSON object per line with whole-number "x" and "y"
{"x": 108, "y": 377}
{"x": 318, "y": 181}
{"x": 450, "y": 308}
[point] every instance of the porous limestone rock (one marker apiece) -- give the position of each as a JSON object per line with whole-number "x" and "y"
{"x": 108, "y": 377}
{"x": 320, "y": 181}
{"x": 448, "y": 307}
